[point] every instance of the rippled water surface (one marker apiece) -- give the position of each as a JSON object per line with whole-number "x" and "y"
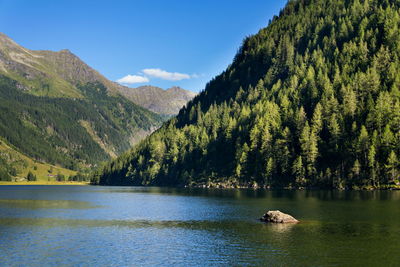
{"x": 130, "y": 226}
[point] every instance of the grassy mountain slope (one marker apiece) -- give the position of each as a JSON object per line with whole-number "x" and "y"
{"x": 31, "y": 70}
{"x": 48, "y": 73}
{"x": 16, "y": 166}
{"x": 166, "y": 102}
{"x": 311, "y": 100}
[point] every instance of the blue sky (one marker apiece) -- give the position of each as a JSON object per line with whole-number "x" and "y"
{"x": 158, "y": 42}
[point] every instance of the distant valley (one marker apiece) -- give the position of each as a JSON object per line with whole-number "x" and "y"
{"x": 56, "y": 109}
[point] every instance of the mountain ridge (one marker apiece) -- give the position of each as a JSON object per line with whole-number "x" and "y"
{"x": 158, "y": 100}
{"x": 63, "y": 71}
{"x": 47, "y": 64}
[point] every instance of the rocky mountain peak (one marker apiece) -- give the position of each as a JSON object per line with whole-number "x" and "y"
{"x": 65, "y": 51}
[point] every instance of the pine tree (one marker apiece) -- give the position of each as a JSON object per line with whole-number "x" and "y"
{"x": 392, "y": 168}
{"x": 299, "y": 172}
{"x": 31, "y": 177}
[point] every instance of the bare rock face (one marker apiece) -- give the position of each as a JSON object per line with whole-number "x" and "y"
{"x": 160, "y": 101}
{"x": 275, "y": 216}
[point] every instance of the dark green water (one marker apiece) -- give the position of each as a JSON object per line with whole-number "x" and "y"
{"x": 103, "y": 226}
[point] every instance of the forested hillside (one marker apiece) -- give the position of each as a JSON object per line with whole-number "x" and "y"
{"x": 70, "y": 131}
{"x": 311, "y": 100}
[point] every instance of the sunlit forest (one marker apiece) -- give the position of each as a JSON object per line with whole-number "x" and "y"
{"x": 311, "y": 100}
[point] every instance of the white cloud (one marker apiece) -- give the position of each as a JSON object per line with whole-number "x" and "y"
{"x": 165, "y": 75}
{"x": 131, "y": 79}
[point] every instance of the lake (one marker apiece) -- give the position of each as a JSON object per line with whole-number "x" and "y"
{"x": 135, "y": 226}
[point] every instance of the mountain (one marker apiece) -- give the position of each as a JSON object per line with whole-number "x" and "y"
{"x": 166, "y": 102}
{"x": 57, "y": 74}
{"x": 312, "y": 100}
{"x": 48, "y": 73}
{"x": 56, "y": 109}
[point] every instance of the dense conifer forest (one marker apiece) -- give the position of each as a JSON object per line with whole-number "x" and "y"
{"x": 311, "y": 100}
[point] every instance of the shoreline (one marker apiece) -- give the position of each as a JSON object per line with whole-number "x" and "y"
{"x": 212, "y": 186}
{"x": 43, "y": 183}
{"x": 258, "y": 187}
{"x": 252, "y": 187}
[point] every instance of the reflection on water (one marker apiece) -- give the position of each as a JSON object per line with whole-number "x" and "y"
{"x": 279, "y": 228}
{"x": 102, "y": 226}
{"x": 327, "y": 195}
{"x": 195, "y": 225}
{"x": 45, "y": 204}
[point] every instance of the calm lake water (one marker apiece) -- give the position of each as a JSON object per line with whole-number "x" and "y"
{"x": 131, "y": 226}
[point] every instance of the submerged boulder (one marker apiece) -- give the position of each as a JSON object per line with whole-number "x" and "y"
{"x": 275, "y": 216}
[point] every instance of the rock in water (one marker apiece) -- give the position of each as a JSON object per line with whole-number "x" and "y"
{"x": 275, "y": 216}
